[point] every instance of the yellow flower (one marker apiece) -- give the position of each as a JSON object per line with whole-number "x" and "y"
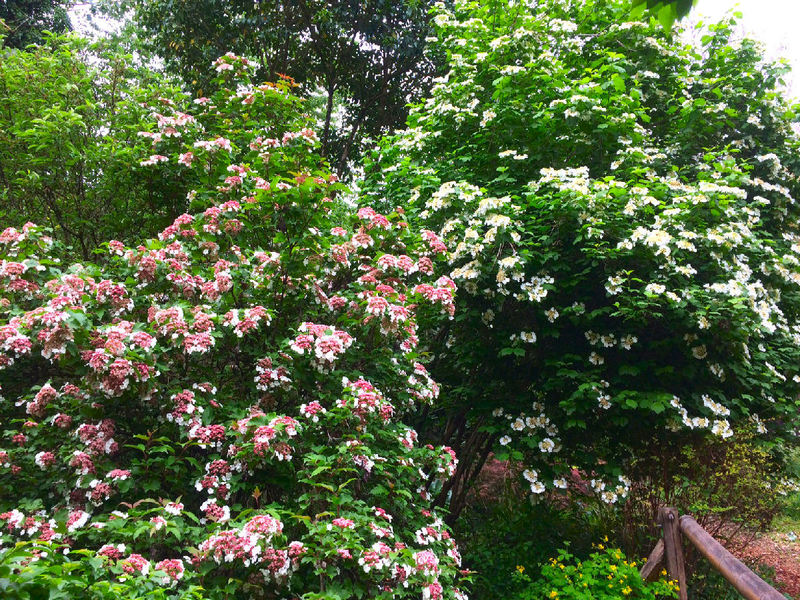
{"x": 627, "y": 590}
{"x": 554, "y": 594}
{"x": 520, "y": 568}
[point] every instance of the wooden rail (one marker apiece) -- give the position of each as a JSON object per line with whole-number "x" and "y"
{"x": 669, "y": 549}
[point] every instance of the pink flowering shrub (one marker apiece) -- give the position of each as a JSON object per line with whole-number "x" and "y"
{"x": 218, "y": 412}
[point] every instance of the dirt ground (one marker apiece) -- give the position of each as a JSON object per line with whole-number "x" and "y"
{"x": 778, "y": 552}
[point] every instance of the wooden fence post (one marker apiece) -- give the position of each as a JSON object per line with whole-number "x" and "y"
{"x": 749, "y": 585}
{"x": 673, "y": 549}
{"x": 652, "y": 567}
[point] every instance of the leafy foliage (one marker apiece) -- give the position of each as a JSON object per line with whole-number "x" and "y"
{"x": 217, "y": 412}
{"x": 732, "y": 488}
{"x": 366, "y": 58}
{"x": 622, "y": 218}
{"x": 665, "y": 11}
{"x": 499, "y": 531}
{"x": 70, "y": 115}
{"x": 221, "y": 401}
{"x": 23, "y": 22}
{"x": 605, "y": 575}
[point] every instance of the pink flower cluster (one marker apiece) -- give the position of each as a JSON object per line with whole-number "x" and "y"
{"x": 324, "y": 343}
{"x": 363, "y": 399}
{"x": 134, "y": 342}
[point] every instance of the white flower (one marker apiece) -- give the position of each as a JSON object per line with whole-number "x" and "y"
{"x": 722, "y": 428}
{"x": 505, "y": 440}
{"x": 547, "y": 445}
{"x": 613, "y": 285}
{"x": 608, "y": 497}
{"x": 537, "y": 487}
{"x": 715, "y": 407}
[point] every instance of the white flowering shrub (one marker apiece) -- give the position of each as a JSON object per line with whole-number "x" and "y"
{"x": 621, "y": 221}
{"x": 218, "y": 412}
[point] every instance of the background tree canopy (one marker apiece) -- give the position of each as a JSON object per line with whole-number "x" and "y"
{"x": 70, "y": 117}
{"x": 23, "y": 21}
{"x": 366, "y": 58}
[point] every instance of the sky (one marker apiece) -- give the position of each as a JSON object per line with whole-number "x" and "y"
{"x": 774, "y": 22}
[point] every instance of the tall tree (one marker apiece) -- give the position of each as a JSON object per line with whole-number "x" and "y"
{"x": 70, "y": 114}
{"x": 366, "y": 57}
{"x": 25, "y": 20}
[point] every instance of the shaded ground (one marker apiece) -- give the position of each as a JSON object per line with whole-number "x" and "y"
{"x": 778, "y": 552}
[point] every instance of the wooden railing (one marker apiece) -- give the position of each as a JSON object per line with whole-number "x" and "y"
{"x": 669, "y": 550}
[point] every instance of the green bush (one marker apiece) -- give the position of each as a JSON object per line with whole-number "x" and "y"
{"x": 732, "y": 488}
{"x": 500, "y": 530}
{"x": 621, "y": 218}
{"x": 606, "y": 574}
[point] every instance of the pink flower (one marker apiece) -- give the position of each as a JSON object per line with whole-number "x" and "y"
{"x": 362, "y": 240}
{"x": 434, "y": 243}
{"x": 76, "y": 520}
{"x": 214, "y": 512}
{"x": 427, "y": 562}
{"x": 112, "y": 552}
{"x": 223, "y": 143}
{"x": 136, "y": 563}
{"x": 432, "y": 591}
{"x": 263, "y": 525}
{"x": 377, "y": 305}
{"x": 343, "y": 523}
{"x": 173, "y": 567}
{"x": 173, "y": 508}
{"x": 154, "y": 160}
{"x": 45, "y": 459}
